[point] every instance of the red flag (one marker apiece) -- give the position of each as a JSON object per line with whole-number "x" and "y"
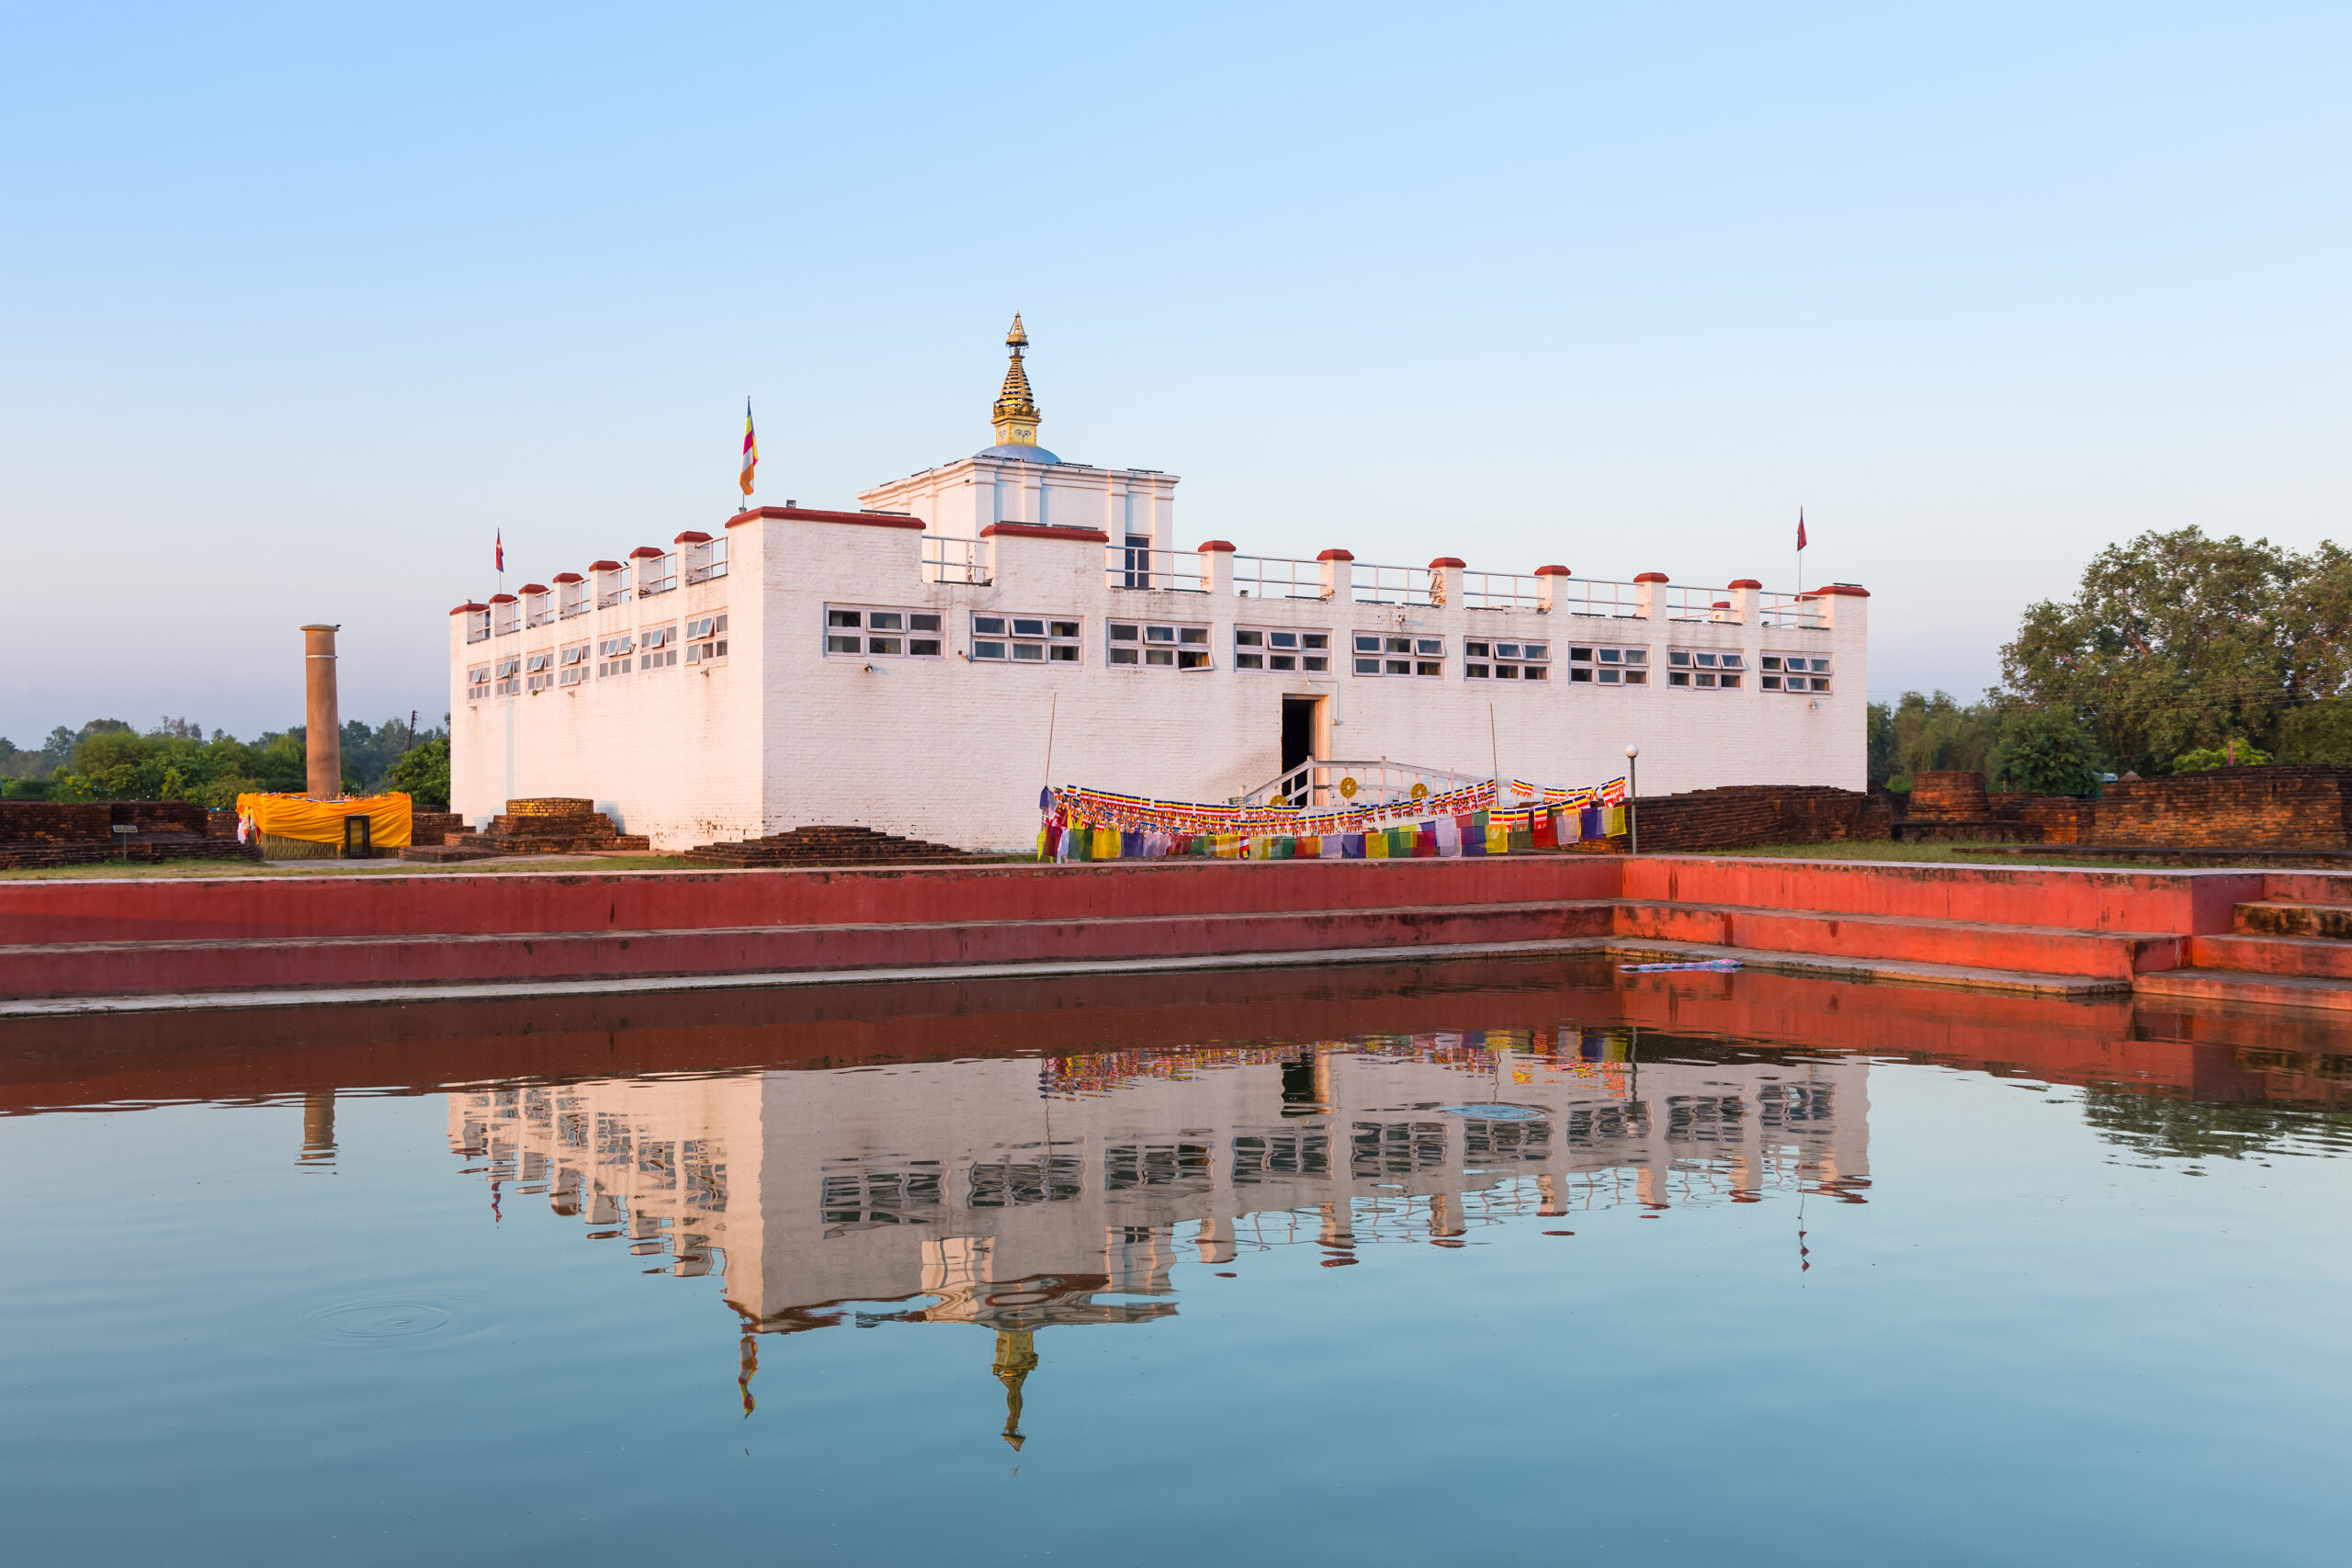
{"x": 501, "y": 549}
{"x": 1800, "y": 527}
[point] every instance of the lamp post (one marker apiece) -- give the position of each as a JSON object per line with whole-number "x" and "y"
{"x": 1633, "y": 800}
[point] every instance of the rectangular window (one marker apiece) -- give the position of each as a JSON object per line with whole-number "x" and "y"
{"x": 1793, "y": 673}
{"x": 1490, "y": 658}
{"x": 478, "y": 683}
{"x": 575, "y": 598}
{"x": 656, "y": 574}
{"x": 1704, "y": 669}
{"x": 1610, "y": 666}
{"x": 477, "y": 625}
{"x": 538, "y": 609}
{"x": 1025, "y": 639}
{"x": 612, "y": 655}
{"x": 889, "y": 634}
{"x": 1381, "y": 653}
{"x": 509, "y": 676}
{"x": 658, "y": 648}
{"x": 1264, "y": 647}
{"x": 1143, "y": 645}
{"x": 612, "y": 587}
{"x": 707, "y": 640}
{"x": 505, "y": 620}
{"x": 538, "y": 669}
{"x": 571, "y": 665}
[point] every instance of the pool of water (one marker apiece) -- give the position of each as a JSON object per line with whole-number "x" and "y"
{"x": 1531, "y": 1261}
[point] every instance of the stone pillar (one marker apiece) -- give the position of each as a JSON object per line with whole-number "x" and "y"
{"x": 1337, "y": 575}
{"x": 1547, "y": 585}
{"x": 1645, "y": 593}
{"x": 1743, "y": 595}
{"x": 1445, "y": 582}
{"x": 1217, "y": 568}
{"x": 323, "y": 722}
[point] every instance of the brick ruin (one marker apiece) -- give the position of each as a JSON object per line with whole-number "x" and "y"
{"x": 52, "y": 832}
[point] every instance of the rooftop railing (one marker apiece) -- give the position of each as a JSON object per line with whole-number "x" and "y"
{"x": 1790, "y": 612}
{"x": 1277, "y": 577}
{"x": 1136, "y": 566}
{"x": 1373, "y": 584}
{"x": 948, "y": 560}
{"x": 612, "y": 589}
{"x": 1501, "y": 591}
{"x": 542, "y": 610}
{"x": 707, "y": 562}
{"x": 1699, "y": 604}
{"x": 1593, "y": 596}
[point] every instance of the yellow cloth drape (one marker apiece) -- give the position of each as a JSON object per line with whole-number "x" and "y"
{"x": 321, "y": 821}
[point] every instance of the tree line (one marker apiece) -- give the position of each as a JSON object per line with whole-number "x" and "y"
{"x": 2179, "y": 652}
{"x": 108, "y": 760}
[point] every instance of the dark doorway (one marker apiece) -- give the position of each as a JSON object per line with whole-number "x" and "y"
{"x": 1299, "y": 730}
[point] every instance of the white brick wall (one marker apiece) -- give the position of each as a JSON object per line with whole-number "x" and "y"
{"x": 783, "y": 735}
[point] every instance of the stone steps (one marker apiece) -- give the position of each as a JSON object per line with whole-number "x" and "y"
{"x": 2282, "y": 919}
{"x": 1981, "y": 945}
{"x": 2311, "y": 958}
{"x": 93, "y": 969}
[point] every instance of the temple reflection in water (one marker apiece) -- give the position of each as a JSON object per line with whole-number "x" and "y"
{"x": 1019, "y": 1194}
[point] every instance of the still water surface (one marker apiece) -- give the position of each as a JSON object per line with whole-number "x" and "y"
{"x": 1416, "y": 1266}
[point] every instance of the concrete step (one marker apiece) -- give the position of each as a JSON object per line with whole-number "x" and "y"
{"x": 2280, "y": 917}
{"x": 95, "y": 969}
{"x": 1966, "y": 944}
{"x": 2065, "y": 900}
{"x": 2205, "y": 985}
{"x": 2317, "y": 958}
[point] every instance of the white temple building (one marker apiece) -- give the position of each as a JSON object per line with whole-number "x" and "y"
{"x": 910, "y": 666}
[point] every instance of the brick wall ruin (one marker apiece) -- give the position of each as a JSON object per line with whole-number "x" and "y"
{"x": 1740, "y": 816}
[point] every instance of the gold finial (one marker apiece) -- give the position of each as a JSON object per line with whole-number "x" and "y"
{"x": 1016, "y": 1358}
{"x": 1015, "y": 416}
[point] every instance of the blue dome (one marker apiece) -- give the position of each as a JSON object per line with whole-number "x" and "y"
{"x": 1018, "y": 454}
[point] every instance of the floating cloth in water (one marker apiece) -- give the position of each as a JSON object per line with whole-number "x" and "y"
{"x": 1721, "y": 965}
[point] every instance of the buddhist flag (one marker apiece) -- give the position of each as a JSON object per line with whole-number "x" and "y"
{"x": 1800, "y": 527}
{"x": 750, "y": 448}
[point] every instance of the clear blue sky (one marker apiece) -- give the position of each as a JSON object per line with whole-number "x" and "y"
{"x": 302, "y": 303}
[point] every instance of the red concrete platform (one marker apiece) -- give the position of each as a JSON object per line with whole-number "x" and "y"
{"x": 2013, "y": 927}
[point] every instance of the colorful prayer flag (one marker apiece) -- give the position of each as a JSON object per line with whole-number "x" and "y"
{"x": 750, "y": 448}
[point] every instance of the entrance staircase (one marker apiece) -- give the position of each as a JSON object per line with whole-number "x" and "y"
{"x": 2291, "y": 945}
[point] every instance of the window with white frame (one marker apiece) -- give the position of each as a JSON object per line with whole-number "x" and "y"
{"x": 1704, "y": 669}
{"x": 538, "y": 609}
{"x": 1265, "y": 647}
{"x": 1153, "y": 647}
{"x": 1023, "y": 639}
{"x": 1793, "y": 673}
{"x": 886, "y": 634}
{"x": 505, "y": 619}
{"x": 478, "y": 683}
{"x": 477, "y": 625}
{"x": 658, "y": 648}
{"x": 1610, "y": 666}
{"x": 508, "y": 675}
{"x": 538, "y": 669}
{"x": 656, "y": 574}
{"x": 575, "y": 598}
{"x": 612, "y": 587}
{"x": 612, "y": 655}
{"x": 1491, "y": 659}
{"x": 572, "y": 664}
{"x": 707, "y": 640}
{"x": 706, "y": 561}
{"x": 1384, "y": 653}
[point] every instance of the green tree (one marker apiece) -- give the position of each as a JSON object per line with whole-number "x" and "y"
{"x": 2044, "y": 751}
{"x": 424, "y": 774}
{"x": 1923, "y": 733}
{"x": 2178, "y": 641}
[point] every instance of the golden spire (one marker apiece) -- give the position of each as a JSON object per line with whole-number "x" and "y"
{"x": 1016, "y": 415}
{"x": 1016, "y": 1352}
